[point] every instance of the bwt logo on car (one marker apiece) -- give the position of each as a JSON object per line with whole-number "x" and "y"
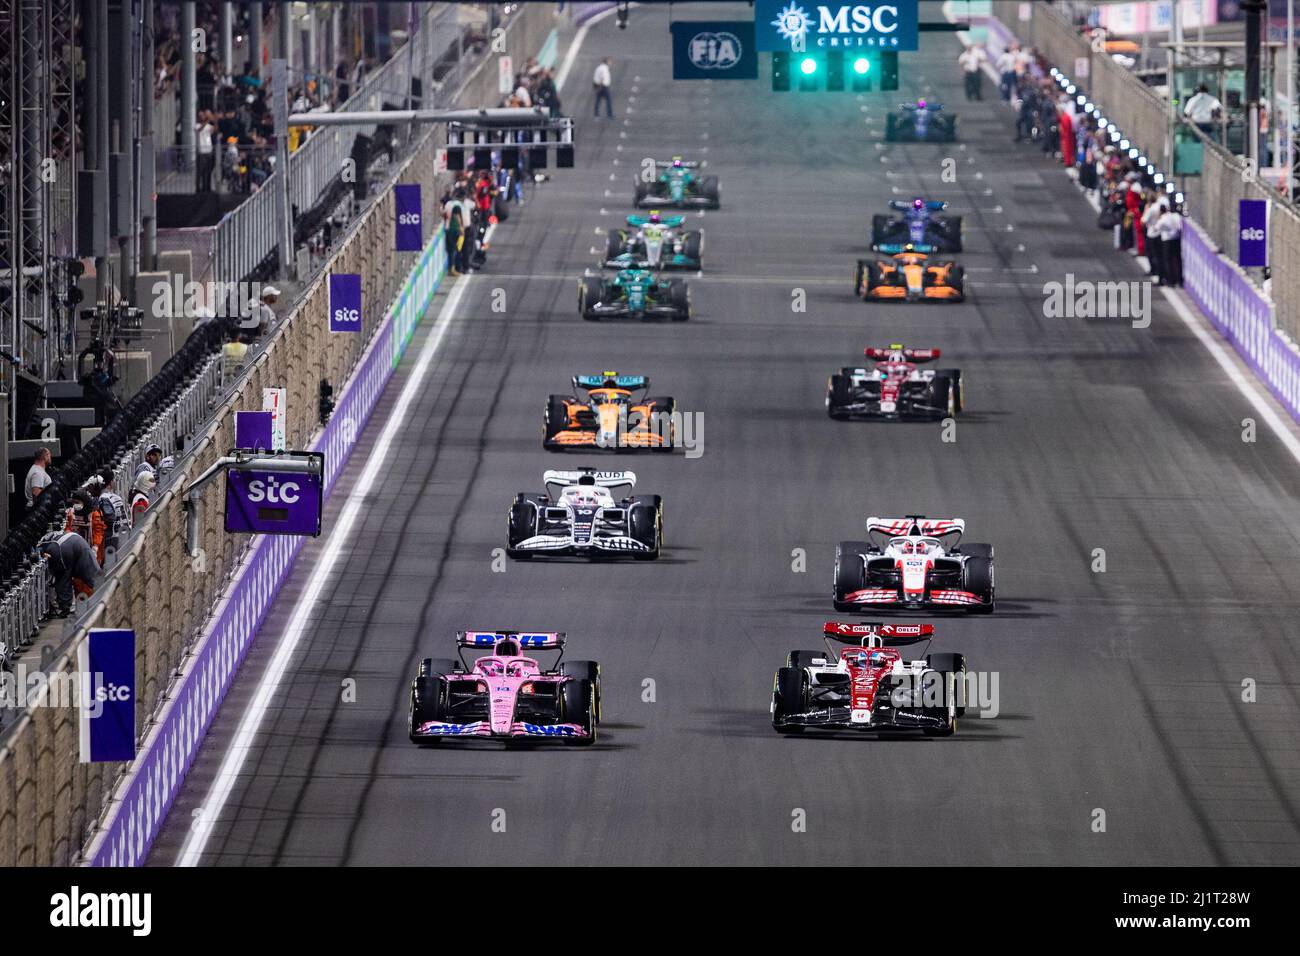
{"x": 715, "y": 51}
{"x": 274, "y": 492}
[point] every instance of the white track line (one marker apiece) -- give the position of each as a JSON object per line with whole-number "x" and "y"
{"x": 251, "y": 723}
{"x": 1240, "y": 375}
{"x": 576, "y": 45}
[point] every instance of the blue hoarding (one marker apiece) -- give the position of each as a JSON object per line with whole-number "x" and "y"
{"x": 345, "y": 302}
{"x": 274, "y": 502}
{"x": 106, "y": 660}
{"x": 409, "y": 225}
{"x": 797, "y": 25}
{"x": 1252, "y": 246}
{"x": 714, "y": 50}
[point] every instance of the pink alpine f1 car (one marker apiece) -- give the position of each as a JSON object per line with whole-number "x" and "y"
{"x": 504, "y": 694}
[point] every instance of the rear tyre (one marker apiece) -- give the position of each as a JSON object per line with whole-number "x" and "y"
{"x": 879, "y": 229}
{"x": 645, "y": 523}
{"x": 639, "y": 191}
{"x": 680, "y": 298}
{"x": 615, "y": 244}
{"x": 709, "y": 190}
{"x": 957, "y": 279}
{"x": 977, "y": 578}
{"x": 693, "y": 246}
{"x": 432, "y": 666}
{"x": 788, "y": 697}
{"x": 850, "y": 571}
{"x": 838, "y": 395}
{"x": 578, "y": 706}
{"x": 952, "y": 233}
{"x": 954, "y": 664}
{"x": 664, "y": 405}
{"x": 585, "y": 670}
{"x": 557, "y": 417}
{"x": 954, "y": 376}
{"x": 891, "y": 127}
{"x": 590, "y": 292}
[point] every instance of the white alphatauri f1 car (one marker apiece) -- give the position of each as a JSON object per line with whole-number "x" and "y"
{"x": 579, "y": 516}
{"x": 914, "y": 563}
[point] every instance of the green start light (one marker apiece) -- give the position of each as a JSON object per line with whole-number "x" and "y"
{"x": 808, "y": 66}
{"x": 861, "y": 65}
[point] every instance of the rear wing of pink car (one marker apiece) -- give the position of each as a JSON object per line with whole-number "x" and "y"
{"x": 528, "y": 640}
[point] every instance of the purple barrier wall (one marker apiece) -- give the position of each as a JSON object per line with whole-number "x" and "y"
{"x": 136, "y": 813}
{"x": 1242, "y": 315}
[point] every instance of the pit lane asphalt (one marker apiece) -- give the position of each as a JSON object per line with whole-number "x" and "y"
{"x": 1119, "y": 691}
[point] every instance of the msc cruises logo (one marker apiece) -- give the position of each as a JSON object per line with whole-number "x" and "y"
{"x": 792, "y": 23}
{"x": 796, "y": 26}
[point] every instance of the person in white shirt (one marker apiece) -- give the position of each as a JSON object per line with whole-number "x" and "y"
{"x": 204, "y": 142}
{"x": 38, "y": 479}
{"x": 523, "y": 94}
{"x": 1006, "y": 67}
{"x": 1202, "y": 108}
{"x": 601, "y": 80}
{"x": 1154, "y": 248}
{"x": 1170, "y": 227}
{"x": 972, "y": 62}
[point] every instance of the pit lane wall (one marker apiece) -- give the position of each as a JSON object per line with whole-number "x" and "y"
{"x": 1261, "y": 327}
{"x": 195, "y": 619}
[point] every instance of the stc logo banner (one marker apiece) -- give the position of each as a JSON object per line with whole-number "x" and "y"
{"x": 714, "y": 50}
{"x": 1252, "y": 242}
{"x": 410, "y": 229}
{"x": 345, "y": 302}
{"x": 802, "y": 25}
{"x": 274, "y": 502}
{"x": 106, "y": 660}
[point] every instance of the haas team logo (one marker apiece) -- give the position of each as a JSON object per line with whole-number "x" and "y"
{"x": 715, "y": 51}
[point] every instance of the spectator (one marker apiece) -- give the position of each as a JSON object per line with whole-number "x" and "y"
{"x": 1006, "y": 67}
{"x": 455, "y": 237}
{"x": 110, "y": 502}
{"x": 145, "y": 482}
{"x": 84, "y": 518}
{"x": 152, "y": 455}
{"x": 601, "y": 80}
{"x": 38, "y": 478}
{"x": 343, "y": 89}
{"x": 233, "y": 355}
{"x": 263, "y": 318}
{"x": 972, "y": 62}
{"x": 1025, "y": 116}
{"x": 522, "y": 92}
{"x": 72, "y": 567}
{"x": 1203, "y": 108}
{"x": 1150, "y": 216}
{"x": 548, "y": 94}
{"x": 1170, "y": 228}
{"x": 205, "y": 144}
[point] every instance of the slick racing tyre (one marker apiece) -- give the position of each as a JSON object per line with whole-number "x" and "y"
{"x": 977, "y": 578}
{"x": 590, "y": 291}
{"x": 680, "y": 298}
{"x": 838, "y": 395}
{"x": 693, "y": 245}
{"x": 428, "y": 702}
{"x": 433, "y": 666}
{"x": 951, "y": 230}
{"x": 802, "y": 659}
{"x": 645, "y": 524}
{"x": 975, "y": 550}
{"x": 942, "y": 398}
{"x": 578, "y": 706}
{"x": 849, "y": 571}
{"x": 709, "y": 190}
{"x": 523, "y": 525}
{"x": 557, "y": 417}
{"x": 585, "y": 670}
{"x": 615, "y": 244}
{"x": 639, "y": 191}
{"x": 891, "y": 127}
{"x": 879, "y": 229}
{"x": 663, "y": 405}
{"x": 957, "y": 279}
{"x": 954, "y": 376}
{"x": 788, "y": 697}
{"x": 940, "y": 685}
{"x": 954, "y": 664}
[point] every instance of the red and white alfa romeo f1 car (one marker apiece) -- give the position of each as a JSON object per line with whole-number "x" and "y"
{"x": 867, "y": 686}
{"x": 504, "y": 694}
{"x": 895, "y": 387}
{"x": 914, "y": 563}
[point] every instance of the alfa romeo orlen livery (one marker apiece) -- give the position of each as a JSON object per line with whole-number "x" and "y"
{"x": 920, "y": 122}
{"x": 579, "y": 515}
{"x": 914, "y": 563}
{"x": 505, "y": 694}
{"x": 895, "y": 387}
{"x": 654, "y": 242}
{"x": 915, "y": 223}
{"x": 908, "y": 276}
{"x": 866, "y": 685}
{"x": 610, "y": 412}
{"x": 677, "y": 184}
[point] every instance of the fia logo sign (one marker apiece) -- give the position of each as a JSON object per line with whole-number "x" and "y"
{"x": 715, "y": 51}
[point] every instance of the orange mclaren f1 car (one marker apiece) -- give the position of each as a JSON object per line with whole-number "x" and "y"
{"x": 610, "y": 411}
{"x": 908, "y": 276}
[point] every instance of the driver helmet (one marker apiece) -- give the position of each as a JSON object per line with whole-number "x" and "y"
{"x": 920, "y": 104}
{"x": 507, "y": 647}
{"x": 677, "y": 162}
{"x": 653, "y": 217}
{"x": 918, "y": 203}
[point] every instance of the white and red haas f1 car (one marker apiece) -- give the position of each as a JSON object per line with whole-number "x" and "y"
{"x": 868, "y": 686}
{"x": 914, "y": 563}
{"x": 504, "y": 694}
{"x": 895, "y": 387}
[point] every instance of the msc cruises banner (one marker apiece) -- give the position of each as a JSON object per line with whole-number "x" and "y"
{"x": 800, "y": 25}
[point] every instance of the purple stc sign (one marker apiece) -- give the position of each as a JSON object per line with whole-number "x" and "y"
{"x": 106, "y": 660}
{"x": 254, "y": 430}
{"x": 345, "y": 302}
{"x": 1252, "y": 245}
{"x": 410, "y": 227}
{"x": 273, "y": 502}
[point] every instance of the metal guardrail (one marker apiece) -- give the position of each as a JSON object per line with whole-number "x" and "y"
{"x": 25, "y": 601}
{"x": 247, "y": 235}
